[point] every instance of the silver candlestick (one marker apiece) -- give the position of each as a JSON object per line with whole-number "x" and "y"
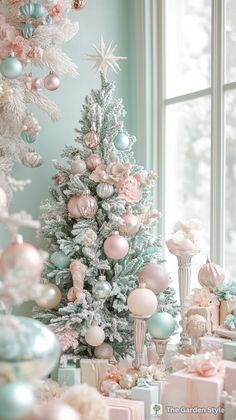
{"x": 184, "y": 277}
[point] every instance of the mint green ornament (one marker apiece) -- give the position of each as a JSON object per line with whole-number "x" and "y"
{"x": 16, "y": 400}
{"x": 121, "y": 141}
{"x": 161, "y": 325}
{"x": 27, "y": 30}
{"x": 27, "y": 138}
{"x": 39, "y": 11}
{"x": 60, "y": 260}
{"x": 11, "y": 67}
{"x": 49, "y": 20}
{"x": 27, "y": 9}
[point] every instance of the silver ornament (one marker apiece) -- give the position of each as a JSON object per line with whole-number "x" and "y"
{"x": 105, "y": 190}
{"x": 102, "y": 289}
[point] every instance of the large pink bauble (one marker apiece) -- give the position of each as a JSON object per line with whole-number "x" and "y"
{"x": 116, "y": 246}
{"x": 22, "y": 258}
{"x": 72, "y": 207}
{"x": 142, "y": 302}
{"x": 54, "y": 410}
{"x": 155, "y": 276}
{"x": 50, "y": 297}
{"x": 94, "y": 336}
{"x": 91, "y": 139}
{"x": 51, "y": 82}
{"x": 211, "y": 275}
{"x": 87, "y": 205}
{"x": 93, "y": 161}
{"x": 131, "y": 224}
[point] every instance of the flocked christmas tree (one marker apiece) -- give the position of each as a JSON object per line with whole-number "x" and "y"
{"x": 99, "y": 225}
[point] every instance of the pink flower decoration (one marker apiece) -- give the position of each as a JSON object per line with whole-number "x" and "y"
{"x": 99, "y": 174}
{"x": 130, "y": 190}
{"x": 35, "y": 52}
{"x": 115, "y": 373}
{"x": 57, "y": 10}
{"x": 21, "y": 47}
{"x": 67, "y": 336}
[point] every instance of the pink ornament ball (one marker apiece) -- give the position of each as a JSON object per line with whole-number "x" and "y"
{"x": 131, "y": 224}
{"x": 91, "y": 139}
{"x": 51, "y": 82}
{"x": 72, "y": 207}
{"x": 87, "y": 205}
{"x": 22, "y": 258}
{"x": 78, "y": 166}
{"x": 93, "y": 161}
{"x": 142, "y": 302}
{"x": 54, "y": 410}
{"x": 94, "y": 336}
{"x": 155, "y": 276}
{"x": 104, "y": 351}
{"x": 211, "y": 275}
{"x": 116, "y": 246}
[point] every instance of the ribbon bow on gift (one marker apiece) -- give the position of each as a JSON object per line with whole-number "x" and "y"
{"x": 206, "y": 364}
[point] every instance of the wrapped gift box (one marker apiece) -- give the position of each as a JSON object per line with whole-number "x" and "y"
{"x": 210, "y": 343}
{"x": 229, "y": 350}
{"x": 226, "y": 308}
{"x": 120, "y": 409}
{"x": 151, "y": 397}
{"x": 223, "y": 331}
{"x": 69, "y": 375}
{"x": 192, "y": 392}
{"x": 93, "y": 371}
{"x": 230, "y": 406}
{"x": 204, "y": 311}
{"x": 230, "y": 377}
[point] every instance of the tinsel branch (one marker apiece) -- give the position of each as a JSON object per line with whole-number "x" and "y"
{"x": 58, "y": 62}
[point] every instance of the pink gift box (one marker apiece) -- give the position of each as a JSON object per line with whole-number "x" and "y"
{"x": 210, "y": 343}
{"x": 222, "y": 331}
{"x": 120, "y": 409}
{"x": 230, "y": 376}
{"x": 187, "y": 397}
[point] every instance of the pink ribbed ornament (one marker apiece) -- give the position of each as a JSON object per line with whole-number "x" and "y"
{"x": 211, "y": 275}
{"x": 155, "y": 276}
{"x": 131, "y": 224}
{"x": 22, "y": 258}
{"x": 142, "y": 302}
{"x": 51, "y": 82}
{"x": 116, "y": 246}
{"x": 93, "y": 161}
{"x": 72, "y": 207}
{"x": 87, "y": 205}
{"x": 91, "y": 139}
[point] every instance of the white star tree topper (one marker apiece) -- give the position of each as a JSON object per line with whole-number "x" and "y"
{"x": 105, "y": 58}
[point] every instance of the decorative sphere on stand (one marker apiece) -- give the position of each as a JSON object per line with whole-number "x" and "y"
{"x": 155, "y": 276}
{"x": 104, "y": 351}
{"x": 94, "y": 336}
{"x": 127, "y": 381}
{"x": 102, "y": 288}
{"x": 121, "y": 141}
{"x": 161, "y": 325}
{"x": 131, "y": 224}
{"x": 11, "y": 67}
{"x": 142, "y": 302}
{"x": 72, "y": 207}
{"x": 78, "y": 166}
{"x": 105, "y": 190}
{"x": 54, "y": 410}
{"x": 211, "y": 275}
{"x": 16, "y": 400}
{"x": 60, "y": 260}
{"x": 51, "y": 82}
{"x": 116, "y": 246}
{"x": 87, "y": 205}
{"x": 91, "y": 139}
{"x": 50, "y": 297}
{"x": 93, "y": 161}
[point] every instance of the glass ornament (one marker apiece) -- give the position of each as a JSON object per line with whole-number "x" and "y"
{"x": 51, "y": 81}
{"x": 27, "y": 9}
{"x": 78, "y": 166}
{"x": 60, "y": 260}
{"x": 95, "y": 335}
{"x": 121, "y": 141}
{"x": 161, "y": 325}
{"x": 50, "y": 297}
{"x": 142, "y": 302}
{"x": 27, "y": 30}
{"x": 87, "y": 205}
{"x": 116, "y": 246}
{"x": 128, "y": 381}
{"x": 131, "y": 224}
{"x": 39, "y": 11}
{"x": 105, "y": 190}
{"x": 28, "y": 348}
{"x": 104, "y": 351}
{"x": 16, "y": 400}
{"x": 11, "y": 67}
{"x": 91, "y": 139}
{"x": 72, "y": 207}
{"x": 93, "y": 161}
{"x": 211, "y": 275}
{"x": 155, "y": 276}
{"x": 102, "y": 288}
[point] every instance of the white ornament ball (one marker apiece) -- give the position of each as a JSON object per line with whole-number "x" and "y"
{"x": 105, "y": 190}
{"x": 104, "y": 351}
{"x": 94, "y": 336}
{"x": 50, "y": 297}
{"x": 142, "y": 302}
{"x": 51, "y": 82}
{"x": 78, "y": 166}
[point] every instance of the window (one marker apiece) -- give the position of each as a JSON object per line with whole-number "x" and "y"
{"x": 193, "y": 96}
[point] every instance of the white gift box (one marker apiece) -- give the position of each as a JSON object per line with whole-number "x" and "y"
{"x": 69, "y": 375}
{"x": 151, "y": 397}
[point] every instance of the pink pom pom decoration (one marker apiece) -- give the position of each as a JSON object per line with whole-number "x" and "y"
{"x": 155, "y": 276}
{"x": 116, "y": 246}
{"x": 211, "y": 275}
{"x": 183, "y": 245}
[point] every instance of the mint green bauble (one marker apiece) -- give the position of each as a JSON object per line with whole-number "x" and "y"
{"x": 39, "y": 11}
{"x": 121, "y": 141}
{"x": 60, "y": 260}
{"x": 27, "y": 30}
{"x": 161, "y": 325}
{"x": 11, "y": 68}
{"x": 16, "y": 400}
{"x": 27, "y": 9}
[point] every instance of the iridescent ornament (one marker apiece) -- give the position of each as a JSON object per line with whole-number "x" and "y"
{"x": 105, "y": 190}
{"x": 28, "y": 30}
{"x": 16, "y": 400}
{"x": 102, "y": 289}
{"x": 142, "y": 302}
{"x": 104, "y": 351}
{"x": 155, "y": 276}
{"x": 54, "y": 410}
{"x": 161, "y": 325}
{"x": 78, "y": 166}
{"x": 11, "y": 67}
{"x": 72, "y": 207}
{"x": 127, "y": 381}
{"x": 60, "y": 260}
{"x": 211, "y": 275}
{"x": 131, "y": 224}
{"x": 87, "y": 205}
{"x": 39, "y": 11}
{"x": 108, "y": 386}
{"x": 27, "y": 347}
{"x": 91, "y": 139}
{"x": 51, "y": 82}
{"x": 78, "y": 4}
{"x": 121, "y": 141}
{"x": 93, "y": 161}
{"x": 94, "y": 335}
{"x": 27, "y": 9}
{"x": 21, "y": 258}
{"x": 50, "y": 296}
{"x": 32, "y": 159}
{"x": 116, "y": 246}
